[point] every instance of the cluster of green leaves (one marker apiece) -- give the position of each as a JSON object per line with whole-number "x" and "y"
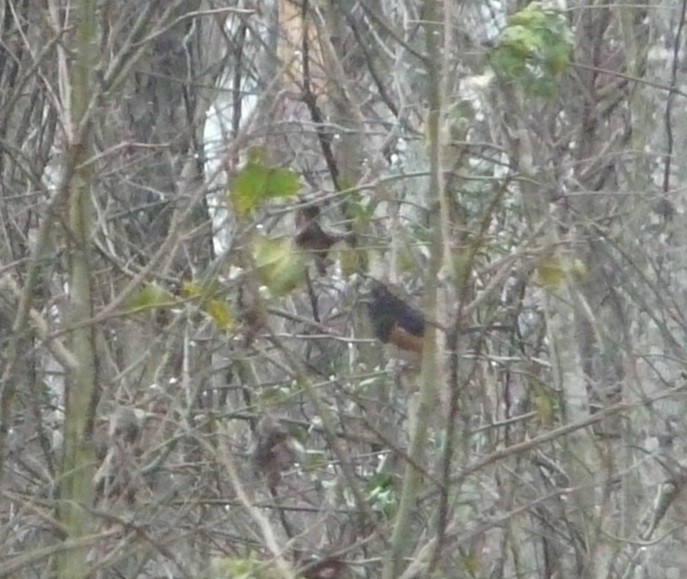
{"x": 279, "y": 264}
{"x": 206, "y": 296}
{"x": 534, "y": 48}
{"x": 152, "y": 297}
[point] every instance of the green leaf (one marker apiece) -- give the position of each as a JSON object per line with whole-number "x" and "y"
{"x": 314, "y": 460}
{"x": 361, "y": 212}
{"x": 220, "y": 314}
{"x": 551, "y": 274}
{"x": 274, "y": 395}
{"x": 280, "y": 265}
{"x": 191, "y": 290}
{"x": 381, "y": 494}
{"x": 149, "y": 297}
{"x": 258, "y": 182}
{"x": 216, "y": 309}
{"x": 350, "y": 259}
{"x": 379, "y": 480}
{"x": 556, "y": 272}
{"x": 471, "y": 563}
{"x": 250, "y": 567}
{"x": 534, "y": 48}
{"x": 544, "y": 405}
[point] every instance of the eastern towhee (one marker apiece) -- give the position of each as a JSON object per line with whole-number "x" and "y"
{"x": 397, "y": 322}
{"x": 394, "y": 321}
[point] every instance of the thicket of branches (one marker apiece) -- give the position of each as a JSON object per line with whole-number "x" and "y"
{"x": 195, "y": 200}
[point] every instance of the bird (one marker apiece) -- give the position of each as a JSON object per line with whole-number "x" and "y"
{"x": 395, "y": 321}
{"x": 312, "y": 237}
